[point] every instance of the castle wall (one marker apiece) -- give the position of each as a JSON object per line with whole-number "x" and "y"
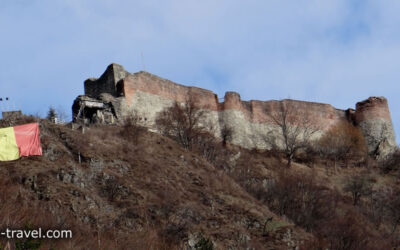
{"x": 147, "y": 95}
{"x": 322, "y": 115}
{"x": 245, "y": 133}
{"x": 251, "y": 122}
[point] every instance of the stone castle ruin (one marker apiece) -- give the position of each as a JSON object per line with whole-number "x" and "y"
{"x": 118, "y": 93}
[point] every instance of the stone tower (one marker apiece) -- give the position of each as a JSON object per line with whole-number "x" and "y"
{"x": 372, "y": 116}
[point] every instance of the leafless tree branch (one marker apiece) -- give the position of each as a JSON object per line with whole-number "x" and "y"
{"x": 295, "y": 129}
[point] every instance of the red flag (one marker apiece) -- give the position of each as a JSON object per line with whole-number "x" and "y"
{"x": 28, "y": 139}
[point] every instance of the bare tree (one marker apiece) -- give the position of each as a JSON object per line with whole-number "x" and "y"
{"x": 358, "y": 186}
{"x": 393, "y": 207}
{"x": 182, "y": 122}
{"x": 295, "y": 129}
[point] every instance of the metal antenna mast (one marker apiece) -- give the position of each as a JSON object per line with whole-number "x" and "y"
{"x": 8, "y": 104}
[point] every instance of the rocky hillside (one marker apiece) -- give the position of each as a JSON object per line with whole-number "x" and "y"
{"x": 119, "y": 187}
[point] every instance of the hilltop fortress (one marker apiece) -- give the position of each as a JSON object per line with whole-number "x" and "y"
{"x": 118, "y": 93}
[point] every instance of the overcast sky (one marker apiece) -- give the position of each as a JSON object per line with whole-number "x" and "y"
{"x": 337, "y": 52}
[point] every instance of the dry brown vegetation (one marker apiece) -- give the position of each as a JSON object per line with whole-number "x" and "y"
{"x": 132, "y": 127}
{"x": 122, "y": 187}
{"x": 392, "y": 164}
{"x": 343, "y": 143}
{"x": 115, "y": 194}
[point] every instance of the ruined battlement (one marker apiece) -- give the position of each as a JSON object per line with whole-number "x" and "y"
{"x": 148, "y": 94}
{"x": 107, "y": 83}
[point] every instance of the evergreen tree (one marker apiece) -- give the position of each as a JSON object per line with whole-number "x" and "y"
{"x": 52, "y": 114}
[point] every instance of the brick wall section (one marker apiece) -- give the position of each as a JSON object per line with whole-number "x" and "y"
{"x": 322, "y": 115}
{"x": 155, "y": 85}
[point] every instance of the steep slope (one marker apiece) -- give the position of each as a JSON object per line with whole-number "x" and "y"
{"x": 123, "y": 187}
{"x": 117, "y": 194}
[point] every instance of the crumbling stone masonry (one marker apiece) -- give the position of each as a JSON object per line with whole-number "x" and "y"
{"x": 118, "y": 93}
{"x": 10, "y": 115}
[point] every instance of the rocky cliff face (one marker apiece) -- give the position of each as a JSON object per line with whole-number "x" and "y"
{"x": 147, "y": 94}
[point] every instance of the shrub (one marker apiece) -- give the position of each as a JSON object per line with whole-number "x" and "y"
{"x": 346, "y": 233}
{"x": 358, "y": 186}
{"x": 28, "y": 243}
{"x": 112, "y": 189}
{"x": 204, "y": 244}
{"x": 206, "y": 145}
{"x": 132, "y": 129}
{"x": 392, "y": 163}
{"x": 385, "y": 206}
{"x": 300, "y": 198}
{"x": 174, "y": 234}
{"x": 342, "y": 142}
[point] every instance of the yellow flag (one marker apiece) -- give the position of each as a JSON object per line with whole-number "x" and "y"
{"x": 8, "y": 145}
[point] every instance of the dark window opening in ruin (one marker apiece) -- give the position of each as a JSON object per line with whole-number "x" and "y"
{"x": 90, "y": 114}
{"x": 93, "y": 115}
{"x": 120, "y": 88}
